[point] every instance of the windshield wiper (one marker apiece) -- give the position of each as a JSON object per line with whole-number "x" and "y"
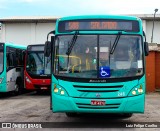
{"x": 70, "y": 46}
{"x": 115, "y": 43}
{"x": 73, "y": 41}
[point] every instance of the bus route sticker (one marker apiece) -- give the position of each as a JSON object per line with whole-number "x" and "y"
{"x": 104, "y": 71}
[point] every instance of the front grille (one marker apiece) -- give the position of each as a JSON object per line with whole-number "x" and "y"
{"x": 89, "y": 106}
{"x": 120, "y": 86}
{"x": 97, "y": 88}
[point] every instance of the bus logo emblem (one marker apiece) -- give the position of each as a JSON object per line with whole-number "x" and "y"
{"x": 98, "y": 95}
{"x": 43, "y": 81}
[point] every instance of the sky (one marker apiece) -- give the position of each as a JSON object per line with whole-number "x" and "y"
{"x": 62, "y": 8}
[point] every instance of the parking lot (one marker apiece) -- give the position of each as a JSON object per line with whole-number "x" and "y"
{"x": 33, "y": 107}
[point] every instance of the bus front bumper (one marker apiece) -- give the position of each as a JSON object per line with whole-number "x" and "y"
{"x": 38, "y": 84}
{"x": 133, "y": 104}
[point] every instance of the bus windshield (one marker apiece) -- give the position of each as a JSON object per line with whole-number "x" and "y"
{"x": 37, "y": 64}
{"x": 91, "y": 54}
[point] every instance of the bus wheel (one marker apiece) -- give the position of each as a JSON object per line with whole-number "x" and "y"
{"x": 69, "y": 114}
{"x": 17, "y": 90}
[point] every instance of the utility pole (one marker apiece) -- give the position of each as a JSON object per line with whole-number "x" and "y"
{"x": 156, "y": 10}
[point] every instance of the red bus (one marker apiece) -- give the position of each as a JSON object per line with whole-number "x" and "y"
{"x": 37, "y": 68}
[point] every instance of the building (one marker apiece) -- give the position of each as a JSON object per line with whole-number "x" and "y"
{"x": 26, "y": 30}
{"x": 153, "y": 68}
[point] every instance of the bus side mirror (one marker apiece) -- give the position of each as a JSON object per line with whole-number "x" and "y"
{"x": 146, "y": 48}
{"x": 47, "y": 48}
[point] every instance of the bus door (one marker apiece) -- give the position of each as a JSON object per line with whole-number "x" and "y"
{"x": 11, "y": 78}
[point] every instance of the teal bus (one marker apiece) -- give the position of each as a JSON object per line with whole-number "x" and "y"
{"x": 98, "y": 65}
{"x": 11, "y": 67}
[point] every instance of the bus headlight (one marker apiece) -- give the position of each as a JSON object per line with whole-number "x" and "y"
{"x": 56, "y": 90}
{"x": 1, "y": 79}
{"x": 59, "y": 90}
{"x": 62, "y": 92}
{"x": 136, "y": 91}
{"x": 28, "y": 80}
{"x": 140, "y": 90}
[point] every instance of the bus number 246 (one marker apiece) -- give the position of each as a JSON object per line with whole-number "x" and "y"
{"x": 121, "y": 94}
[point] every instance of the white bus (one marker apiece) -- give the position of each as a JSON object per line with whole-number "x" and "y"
{"x": 11, "y": 67}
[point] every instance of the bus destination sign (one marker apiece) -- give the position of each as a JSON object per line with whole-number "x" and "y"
{"x": 87, "y": 25}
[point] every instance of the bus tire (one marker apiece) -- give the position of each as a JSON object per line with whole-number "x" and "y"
{"x": 70, "y": 114}
{"x": 17, "y": 90}
{"x": 19, "y": 87}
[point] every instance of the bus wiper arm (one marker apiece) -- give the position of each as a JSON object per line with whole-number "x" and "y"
{"x": 73, "y": 41}
{"x": 115, "y": 42}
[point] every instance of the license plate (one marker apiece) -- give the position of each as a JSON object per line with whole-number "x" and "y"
{"x": 98, "y": 103}
{"x": 44, "y": 88}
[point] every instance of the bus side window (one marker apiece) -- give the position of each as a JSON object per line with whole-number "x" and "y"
{"x": 10, "y": 57}
{"x": 23, "y": 56}
{"x": 10, "y": 60}
{"x": 7, "y": 60}
{"x": 19, "y": 57}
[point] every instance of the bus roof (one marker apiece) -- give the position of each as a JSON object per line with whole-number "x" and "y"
{"x": 100, "y": 17}
{"x": 15, "y": 45}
